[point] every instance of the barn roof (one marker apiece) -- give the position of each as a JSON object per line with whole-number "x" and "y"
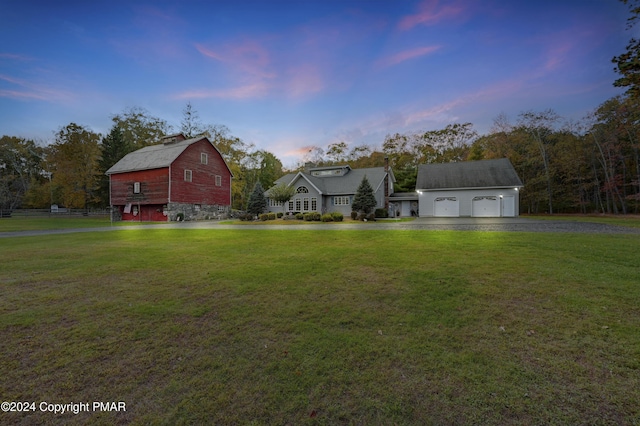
{"x": 339, "y": 185}
{"x": 153, "y": 156}
{"x": 468, "y": 174}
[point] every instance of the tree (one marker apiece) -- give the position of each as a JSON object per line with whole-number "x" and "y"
{"x": 140, "y": 129}
{"x": 282, "y": 193}
{"x": 74, "y": 157}
{"x": 191, "y": 125}
{"x": 257, "y": 201}
{"x": 19, "y": 168}
{"x": 628, "y": 63}
{"x": 539, "y": 126}
{"x": 112, "y": 148}
{"x": 364, "y": 200}
{"x": 337, "y": 153}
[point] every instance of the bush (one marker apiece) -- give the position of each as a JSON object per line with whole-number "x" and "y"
{"x": 354, "y": 215}
{"x": 311, "y": 216}
{"x": 271, "y": 216}
{"x": 381, "y": 213}
{"x": 280, "y": 214}
{"x": 337, "y": 216}
{"x": 327, "y": 217}
{"x": 264, "y": 217}
{"x": 299, "y": 216}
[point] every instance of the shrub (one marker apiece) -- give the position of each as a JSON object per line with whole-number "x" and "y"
{"x": 299, "y": 216}
{"x": 271, "y": 216}
{"x": 381, "y": 213}
{"x": 264, "y": 216}
{"x": 279, "y": 215}
{"x": 337, "y": 216}
{"x": 354, "y": 215}
{"x": 327, "y": 217}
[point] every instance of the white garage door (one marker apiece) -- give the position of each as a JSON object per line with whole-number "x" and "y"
{"x": 446, "y": 207}
{"x": 485, "y": 207}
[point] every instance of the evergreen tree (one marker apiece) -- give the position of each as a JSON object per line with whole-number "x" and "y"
{"x": 365, "y": 199}
{"x": 112, "y": 148}
{"x": 257, "y": 201}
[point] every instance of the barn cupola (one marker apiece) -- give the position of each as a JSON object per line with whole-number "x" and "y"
{"x": 169, "y": 139}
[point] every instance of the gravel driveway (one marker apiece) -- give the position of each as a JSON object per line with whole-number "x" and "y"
{"x": 455, "y": 224}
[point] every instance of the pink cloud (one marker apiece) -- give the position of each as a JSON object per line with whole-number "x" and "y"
{"x": 28, "y": 90}
{"x": 241, "y": 92}
{"x": 430, "y": 13}
{"x": 249, "y": 57}
{"x": 406, "y": 55}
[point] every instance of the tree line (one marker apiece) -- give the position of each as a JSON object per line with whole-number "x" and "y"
{"x": 592, "y": 165}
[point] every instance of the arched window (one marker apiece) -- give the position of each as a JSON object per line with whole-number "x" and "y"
{"x": 302, "y": 190}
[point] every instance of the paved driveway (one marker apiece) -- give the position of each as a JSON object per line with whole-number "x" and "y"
{"x": 455, "y": 224}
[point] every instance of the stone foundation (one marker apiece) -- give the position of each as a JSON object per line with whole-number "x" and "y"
{"x": 192, "y": 212}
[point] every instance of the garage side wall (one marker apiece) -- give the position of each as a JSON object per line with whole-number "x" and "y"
{"x": 464, "y": 199}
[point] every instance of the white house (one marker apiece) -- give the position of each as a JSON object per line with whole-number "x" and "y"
{"x": 332, "y": 188}
{"x": 486, "y": 188}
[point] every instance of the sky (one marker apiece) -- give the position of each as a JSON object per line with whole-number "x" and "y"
{"x": 285, "y": 75}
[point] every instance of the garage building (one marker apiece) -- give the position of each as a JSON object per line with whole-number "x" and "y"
{"x": 486, "y": 188}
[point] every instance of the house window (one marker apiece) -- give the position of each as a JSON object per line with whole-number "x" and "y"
{"x": 314, "y": 204}
{"x": 302, "y": 190}
{"x": 274, "y": 203}
{"x": 305, "y": 204}
{"x": 298, "y": 205}
{"x": 218, "y": 180}
{"x": 136, "y": 187}
{"x": 341, "y": 201}
{"x": 204, "y": 159}
{"x": 188, "y": 176}
{"x": 290, "y": 205}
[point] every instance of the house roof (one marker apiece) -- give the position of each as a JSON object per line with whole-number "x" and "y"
{"x": 338, "y": 185}
{"x": 154, "y": 156}
{"x": 468, "y": 174}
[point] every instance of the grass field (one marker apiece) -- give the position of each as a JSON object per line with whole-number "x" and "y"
{"x": 323, "y": 327}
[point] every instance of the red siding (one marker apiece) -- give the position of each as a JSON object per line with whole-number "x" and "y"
{"x": 146, "y": 213}
{"x": 202, "y": 189}
{"x": 153, "y": 187}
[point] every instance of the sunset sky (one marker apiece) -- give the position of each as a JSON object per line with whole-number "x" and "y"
{"x": 285, "y": 75}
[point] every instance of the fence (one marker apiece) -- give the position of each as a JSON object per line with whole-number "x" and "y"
{"x": 53, "y": 213}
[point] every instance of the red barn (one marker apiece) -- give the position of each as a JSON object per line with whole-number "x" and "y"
{"x": 178, "y": 179}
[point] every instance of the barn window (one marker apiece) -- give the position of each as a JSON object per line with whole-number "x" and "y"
{"x": 204, "y": 159}
{"x": 188, "y": 176}
{"x": 196, "y": 207}
{"x": 218, "y": 180}
{"x": 136, "y": 187}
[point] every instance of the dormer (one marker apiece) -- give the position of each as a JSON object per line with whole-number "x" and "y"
{"x": 330, "y": 171}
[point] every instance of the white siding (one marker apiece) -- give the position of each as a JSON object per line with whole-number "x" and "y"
{"x": 426, "y": 200}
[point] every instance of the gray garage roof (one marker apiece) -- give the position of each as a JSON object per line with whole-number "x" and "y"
{"x": 152, "y": 157}
{"x": 340, "y": 185}
{"x": 468, "y": 174}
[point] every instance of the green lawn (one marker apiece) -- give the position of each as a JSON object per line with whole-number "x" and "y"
{"x": 631, "y": 221}
{"x": 323, "y": 327}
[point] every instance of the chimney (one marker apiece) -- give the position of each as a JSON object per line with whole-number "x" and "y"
{"x": 386, "y": 183}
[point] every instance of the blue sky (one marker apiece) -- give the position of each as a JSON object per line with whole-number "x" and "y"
{"x": 285, "y": 75}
